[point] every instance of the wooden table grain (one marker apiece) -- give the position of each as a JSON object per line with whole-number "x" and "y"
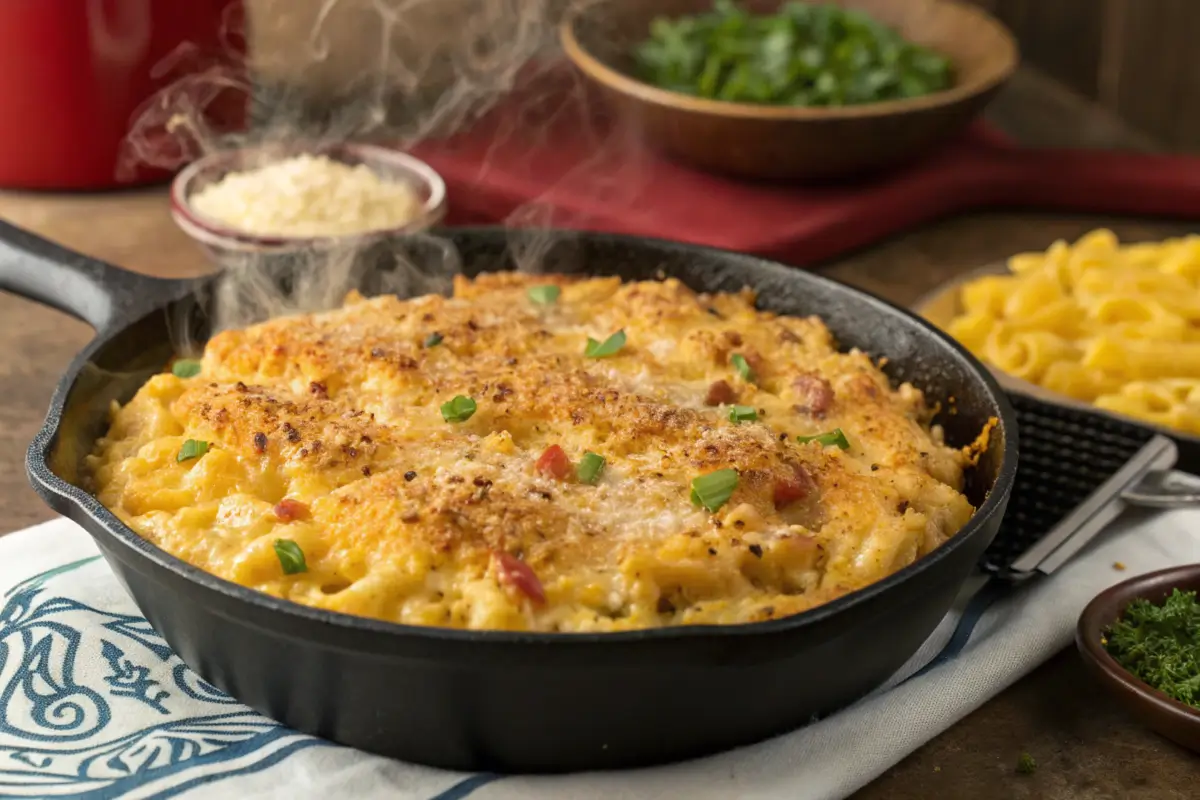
{"x": 1086, "y": 748}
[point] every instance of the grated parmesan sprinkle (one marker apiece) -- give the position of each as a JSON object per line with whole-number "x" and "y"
{"x": 308, "y": 196}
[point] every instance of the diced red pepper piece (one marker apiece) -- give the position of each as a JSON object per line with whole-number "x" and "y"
{"x": 553, "y": 463}
{"x": 514, "y": 572}
{"x": 288, "y": 510}
{"x": 797, "y": 486}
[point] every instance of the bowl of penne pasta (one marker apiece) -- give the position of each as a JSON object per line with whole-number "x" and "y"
{"x": 1095, "y": 323}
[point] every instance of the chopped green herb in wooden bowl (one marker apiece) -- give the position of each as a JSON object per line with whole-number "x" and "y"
{"x": 802, "y": 55}
{"x": 1141, "y": 639}
{"x": 788, "y": 89}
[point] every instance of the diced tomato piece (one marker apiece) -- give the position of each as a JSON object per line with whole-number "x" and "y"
{"x": 289, "y": 510}
{"x": 514, "y": 572}
{"x": 554, "y": 463}
{"x": 815, "y": 394}
{"x": 720, "y": 393}
{"x": 797, "y": 486}
{"x": 755, "y": 360}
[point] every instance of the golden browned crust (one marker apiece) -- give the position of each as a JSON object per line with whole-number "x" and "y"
{"x": 404, "y": 516}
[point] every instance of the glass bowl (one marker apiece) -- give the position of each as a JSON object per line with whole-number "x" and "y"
{"x": 228, "y": 245}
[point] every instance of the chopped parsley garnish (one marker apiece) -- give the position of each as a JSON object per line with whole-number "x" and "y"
{"x": 714, "y": 489}
{"x": 590, "y": 468}
{"x": 802, "y": 55}
{"x": 186, "y": 368}
{"x": 192, "y": 448}
{"x": 434, "y": 339}
{"x": 544, "y": 295}
{"x": 290, "y": 556}
{"x": 833, "y": 437}
{"x": 1160, "y": 645}
{"x": 743, "y": 368}
{"x": 460, "y": 409}
{"x": 610, "y": 346}
{"x": 740, "y": 414}
{"x": 1026, "y": 765}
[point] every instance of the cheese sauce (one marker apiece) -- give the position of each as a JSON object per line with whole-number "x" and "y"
{"x": 327, "y": 430}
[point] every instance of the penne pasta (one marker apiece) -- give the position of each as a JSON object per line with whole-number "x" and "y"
{"x": 972, "y": 330}
{"x": 987, "y": 296}
{"x": 1104, "y": 323}
{"x": 1142, "y": 358}
{"x": 1074, "y": 380}
{"x": 1183, "y": 260}
{"x": 1031, "y": 294}
{"x": 1026, "y": 354}
{"x": 1133, "y": 317}
{"x": 1168, "y": 403}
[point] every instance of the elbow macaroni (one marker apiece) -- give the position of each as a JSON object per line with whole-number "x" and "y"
{"x": 1114, "y": 325}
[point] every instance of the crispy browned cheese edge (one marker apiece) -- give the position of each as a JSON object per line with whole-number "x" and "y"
{"x": 977, "y": 448}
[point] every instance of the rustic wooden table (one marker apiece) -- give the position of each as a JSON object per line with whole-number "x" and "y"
{"x": 1085, "y": 747}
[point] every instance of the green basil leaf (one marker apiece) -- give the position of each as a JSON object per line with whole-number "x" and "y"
{"x": 185, "y": 368}
{"x": 609, "y": 347}
{"x": 192, "y": 448}
{"x": 714, "y": 489}
{"x": 544, "y": 295}
{"x": 460, "y": 409}
{"x": 290, "y": 556}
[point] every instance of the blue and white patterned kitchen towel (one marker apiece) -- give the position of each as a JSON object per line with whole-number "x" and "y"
{"x": 94, "y": 704}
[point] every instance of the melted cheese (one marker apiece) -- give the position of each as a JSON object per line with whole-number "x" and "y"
{"x": 407, "y": 517}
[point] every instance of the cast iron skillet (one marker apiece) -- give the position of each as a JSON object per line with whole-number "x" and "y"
{"x": 513, "y": 701}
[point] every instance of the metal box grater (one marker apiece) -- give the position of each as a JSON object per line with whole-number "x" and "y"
{"x": 1077, "y": 471}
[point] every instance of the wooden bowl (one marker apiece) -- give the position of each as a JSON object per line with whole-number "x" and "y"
{"x": 1163, "y": 714}
{"x": 761, "y": 141}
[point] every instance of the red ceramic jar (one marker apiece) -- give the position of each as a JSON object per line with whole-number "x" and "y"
{"x": 74, "y": 74}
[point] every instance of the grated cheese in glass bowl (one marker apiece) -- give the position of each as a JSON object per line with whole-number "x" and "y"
{"x": 310, "y": 196}
{"x": 274, "y": 198}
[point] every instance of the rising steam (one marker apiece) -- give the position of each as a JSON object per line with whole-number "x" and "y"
{"x": 400, "y": 71}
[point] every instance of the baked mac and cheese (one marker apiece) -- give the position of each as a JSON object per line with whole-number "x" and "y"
{"x": 536, "y": 453}
{"x": 1114, "y": 325}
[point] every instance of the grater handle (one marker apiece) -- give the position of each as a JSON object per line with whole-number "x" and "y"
{"x": 1093, "y": 515}
{"x": 1164, "y": 489}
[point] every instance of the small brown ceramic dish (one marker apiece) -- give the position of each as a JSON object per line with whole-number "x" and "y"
{"x": 1168, "y": 717}
{"x": 763, "y": 141}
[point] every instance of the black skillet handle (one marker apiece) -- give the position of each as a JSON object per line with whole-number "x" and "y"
{"x": 84, "y": 287}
